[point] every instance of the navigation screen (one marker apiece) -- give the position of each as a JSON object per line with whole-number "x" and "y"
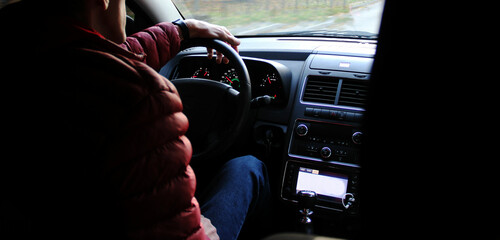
{"x": 328, "y": 184}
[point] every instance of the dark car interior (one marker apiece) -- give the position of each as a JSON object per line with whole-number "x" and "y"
{"x": 308, "y": 101}
{"x": 338, "y": 121}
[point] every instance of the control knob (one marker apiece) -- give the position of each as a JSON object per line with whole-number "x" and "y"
{"x": 357, "y": 137}
{"x": 302, "y": 130}
{"x": 325, "y": 152}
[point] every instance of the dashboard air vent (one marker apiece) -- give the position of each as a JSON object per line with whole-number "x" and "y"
{"x": 353, "y": 93}
{"x": 321, "y": 89}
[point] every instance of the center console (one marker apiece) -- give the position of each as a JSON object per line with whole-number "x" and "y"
{"x": 324, "y": 157}
{"x": 325, "y": 136}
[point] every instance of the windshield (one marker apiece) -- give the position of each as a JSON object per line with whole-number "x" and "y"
{"x": 327, "y": 18}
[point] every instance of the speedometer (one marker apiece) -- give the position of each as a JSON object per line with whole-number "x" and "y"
{"x": 269, "y": 84}
{"x": 231, "y": 77}
{"x": 268, "y": 81}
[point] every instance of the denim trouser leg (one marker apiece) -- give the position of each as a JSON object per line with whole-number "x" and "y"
{"x": 237, "y": 192}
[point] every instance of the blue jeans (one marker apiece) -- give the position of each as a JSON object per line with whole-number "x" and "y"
{"x": 239, "y": 191}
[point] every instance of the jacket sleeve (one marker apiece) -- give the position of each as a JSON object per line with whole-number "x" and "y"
{"x": 159, "y": 44}
{"x": 147, "y": 161}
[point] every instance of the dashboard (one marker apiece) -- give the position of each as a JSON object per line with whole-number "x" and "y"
{"x": 319, "y": 90}
{"x": 267, "y": 77}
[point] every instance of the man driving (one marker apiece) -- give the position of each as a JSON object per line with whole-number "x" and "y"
{"x": 96, "y": 136}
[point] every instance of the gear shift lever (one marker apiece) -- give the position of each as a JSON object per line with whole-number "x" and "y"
{"x": 307, "y": 200}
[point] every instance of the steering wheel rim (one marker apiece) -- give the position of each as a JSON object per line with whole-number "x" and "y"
{"x": 197, "y": 93}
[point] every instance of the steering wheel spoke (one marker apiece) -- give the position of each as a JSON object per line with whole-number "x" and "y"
{"x": 216, "y": 111}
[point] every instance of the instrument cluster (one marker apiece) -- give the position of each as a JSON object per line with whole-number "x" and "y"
{"x": 264, "y": 75}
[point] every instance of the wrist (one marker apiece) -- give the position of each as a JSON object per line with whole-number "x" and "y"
{"x": 179, "y": 31}
{"x": 182, "y": 29}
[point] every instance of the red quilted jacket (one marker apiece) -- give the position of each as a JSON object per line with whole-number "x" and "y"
{"x": 98, "y": 135}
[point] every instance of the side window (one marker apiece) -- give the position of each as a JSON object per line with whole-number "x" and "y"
{"x": 137, "y": 20}
{"x": 130, "y": 27}
{"x": 130, "y": 13}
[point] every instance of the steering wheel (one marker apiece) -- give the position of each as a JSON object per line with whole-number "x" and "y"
{"x": 215, "y": 110}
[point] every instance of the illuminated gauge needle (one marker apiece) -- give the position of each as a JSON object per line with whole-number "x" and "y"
{"x": 269, "y": 80}
{"x": 229, "y": 80}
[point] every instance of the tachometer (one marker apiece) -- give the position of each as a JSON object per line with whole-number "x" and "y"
{"x": 201, "y": 73}
{"x": 231, "y": 77}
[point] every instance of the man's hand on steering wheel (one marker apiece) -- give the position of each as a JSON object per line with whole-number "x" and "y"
{"x": 201, "y": 29}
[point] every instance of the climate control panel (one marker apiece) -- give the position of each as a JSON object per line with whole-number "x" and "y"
{"x": 326, "y": 141}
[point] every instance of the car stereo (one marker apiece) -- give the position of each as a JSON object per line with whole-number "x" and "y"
{"x": 336, "y": 186}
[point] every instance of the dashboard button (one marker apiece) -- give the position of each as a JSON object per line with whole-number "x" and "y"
{"x": 350, "y": 116}
{"x": 316, "y": 112}
{"x": 309, "y": 111}
{"x": 332, "y": 114}
{"x": 302, "y": 130}
{"x": 324, "y": 113}
{"x": 341, "y": 115}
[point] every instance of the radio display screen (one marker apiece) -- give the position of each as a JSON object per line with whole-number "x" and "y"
{"x": 327, "y": 185}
